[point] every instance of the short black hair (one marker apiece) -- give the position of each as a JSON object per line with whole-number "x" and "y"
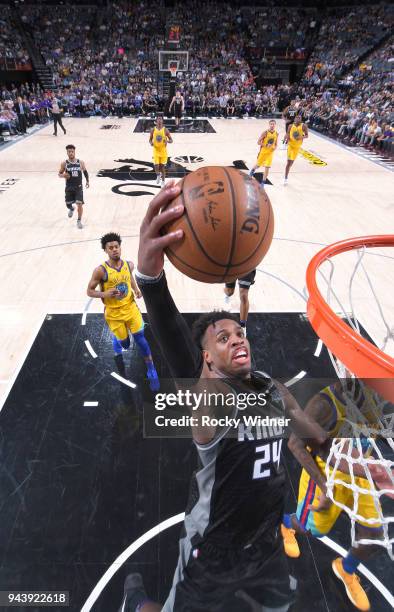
{"x": 201, "y": 324}
{"x": 110, "y": 237}
{"x": 70, "y": 147}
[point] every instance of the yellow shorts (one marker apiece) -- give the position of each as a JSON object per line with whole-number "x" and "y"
{"x": 265, "y": 158}
{"x": 321, "y": 523}
{"x": 121, "y": 321}
{"x": 160, "y": 157}
{"x": 292, "y": 152}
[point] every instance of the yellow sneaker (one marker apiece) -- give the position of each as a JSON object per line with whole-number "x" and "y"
{"x": 290, "y": 542}
{"x": 354, "y": 590}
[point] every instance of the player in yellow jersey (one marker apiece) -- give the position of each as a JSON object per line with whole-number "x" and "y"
{"x": 118, "y": 290}
{"x": 296, "y": 132}
{"x": 159, "y": 136}
{"x": 316, "y": 514}
{"x": 267, "y": 142}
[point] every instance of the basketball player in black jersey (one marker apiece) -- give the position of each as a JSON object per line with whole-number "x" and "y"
{"x": 178, "y": 102}
{"x": 71, "y": 169}
{"x": 231, "y": 546}
{"x": 288, "y": 115}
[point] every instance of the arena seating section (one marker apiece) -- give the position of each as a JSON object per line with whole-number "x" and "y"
{"x": 104, "y": 60}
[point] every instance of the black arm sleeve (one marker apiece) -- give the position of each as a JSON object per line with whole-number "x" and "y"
{"x": 170, "y": 329}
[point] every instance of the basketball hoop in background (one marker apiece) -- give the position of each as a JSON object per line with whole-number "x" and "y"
{"x": 367, "y": 376}
{"x": 173, "y": 67}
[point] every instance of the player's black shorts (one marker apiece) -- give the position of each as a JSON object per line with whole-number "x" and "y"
{"x": 215, "y": 582}
{"x": 178, "y": 112}
{"x": 74, "y": 194}
{"x": 245, "y": 282}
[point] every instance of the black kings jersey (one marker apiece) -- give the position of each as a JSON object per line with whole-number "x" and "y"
{"x": 75, "y": 171}
{"x": 237, "y": 496}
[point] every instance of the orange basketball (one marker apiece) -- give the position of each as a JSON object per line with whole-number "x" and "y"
{"x": 228, "y": 225}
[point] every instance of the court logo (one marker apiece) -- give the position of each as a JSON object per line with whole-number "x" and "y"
{"x": 312, "y": 158}
{"x": 189, "y": 159}
{"x": 110, "y": 126}
{"x": 7, "y": 183}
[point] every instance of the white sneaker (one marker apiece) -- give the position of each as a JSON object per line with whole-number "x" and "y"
{"x": 227, "y": 300}
{"x": 158, "y": 180}
{"x": 285, "y": 181}
{"x": 251, "y": 172}
{"x": 79, "y": 224}
{"x": 162, "y": 184}
{"x": 71, "y": 211}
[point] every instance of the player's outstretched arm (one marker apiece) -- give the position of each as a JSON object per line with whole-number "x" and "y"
{"x": 168, "y": 326}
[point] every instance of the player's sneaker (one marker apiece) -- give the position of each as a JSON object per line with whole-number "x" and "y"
{"x": 162, "y": 184}
{"x": 134, "y": 593}
{"x": 290, "y": 542}
{"x": 354, "y": 590}
{"x": 79, "y": 224}
{"x": 251, "y": 172}
{"x": 153, "y": 378}
{"x": 285, "y": 181}
{"x": 158, "y": 180}
{"x": 71, "y": 211}
{"x": 227, "y": 300}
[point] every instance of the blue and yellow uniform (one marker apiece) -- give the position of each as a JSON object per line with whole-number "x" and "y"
{"x": 267, "y": 149}
{"x": 320, "y": 523}
{"x": 121, "y": 312}
{"x": 159, "y": 146}
{"x": 296, "y": 137}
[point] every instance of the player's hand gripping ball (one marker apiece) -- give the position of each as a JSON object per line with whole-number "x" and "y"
{"x": 228, "y": 224}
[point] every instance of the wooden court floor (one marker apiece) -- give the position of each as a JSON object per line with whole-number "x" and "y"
{"x": 48, "y": 261}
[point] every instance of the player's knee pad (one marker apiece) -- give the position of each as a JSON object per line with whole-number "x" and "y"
{"x": 142, "y": 343}
{"x": 125, "y": 343}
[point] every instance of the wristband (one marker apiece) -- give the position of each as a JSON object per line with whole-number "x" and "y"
{"x": 148, "y": 279}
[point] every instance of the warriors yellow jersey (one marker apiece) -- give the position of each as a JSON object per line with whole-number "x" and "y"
{"x": 296, "y": 135}
{"x": 159, "y": 139}
{"x": 270, "y": 140}
{"x": 321, "y": 523}
{"x": 348, "y": 417}
{"x": 121, "y": 280}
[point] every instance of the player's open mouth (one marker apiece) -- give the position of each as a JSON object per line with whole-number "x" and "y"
{"x": 240, "y": 355}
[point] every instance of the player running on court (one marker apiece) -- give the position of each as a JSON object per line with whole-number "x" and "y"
{"x": 71, "y": 169}
{"x": 159, "y": 136}
{"x": 118, "y": 291}
{"x": 295, "y": 135}
{"x": 268, "y": 142}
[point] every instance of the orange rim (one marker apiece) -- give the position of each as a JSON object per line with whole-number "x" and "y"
{"x": 362, "y": 358}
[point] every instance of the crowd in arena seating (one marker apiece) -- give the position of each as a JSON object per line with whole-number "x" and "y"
{"x": 104, "y": 61}
{"x": 36, "y": 108}
{"x": 344, "y": 37}
{"x": 12, "y": 51}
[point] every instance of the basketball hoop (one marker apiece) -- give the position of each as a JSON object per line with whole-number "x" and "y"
{"x": 173, "y": 68}
{"x": 360, "y": 356}
{"x": 368, "y": 414}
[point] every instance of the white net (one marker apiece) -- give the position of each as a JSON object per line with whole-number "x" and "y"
{"x": 359, "y": 473}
